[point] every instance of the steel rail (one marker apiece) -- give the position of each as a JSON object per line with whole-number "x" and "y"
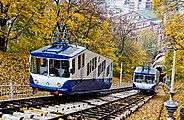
{"x": 10, "y": 106}
{"x": 101, "y": 111}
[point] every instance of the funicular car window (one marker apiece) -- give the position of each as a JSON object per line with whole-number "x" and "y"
{"x": 79, "y": 62}
{"x": 64, "y": 64}
{"x": 65, "y": 68}
{"x": 141, "y": 76}
{"x": 149, "y": 79}
{"x": 87, "y": 68}
{"x": 57, "y": 64}
{"x": 90, "y": 66}
{"x": 35, "y": 65}
{"x": 83, "y": 59}
{"x": 108, "y": 69}
{"x": 43, "y": 66}
{"x": 99, "y": 69}
{"x": 93, "y": 64}
{"x": 152, "y": 78}
{"x": 54, "y": 68}
{"x": 43, "y": 62}
{"x": 73, "y": 66}
{"x": 136, "y": 76}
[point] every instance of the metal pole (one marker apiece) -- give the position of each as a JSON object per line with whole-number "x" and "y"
{"x": 132, "y": 74}
{"x": 170, "y": 105}
{"x": 48, "y": 64}
{"x": 173, "y": 75}
{"x": 120, "y": 79}
{"x": 11, "y": 89}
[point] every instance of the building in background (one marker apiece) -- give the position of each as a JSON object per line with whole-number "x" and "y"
{"x": 146, "y": 26}
{"x": 113, "y": 7}
{"x": 138, "y": 12}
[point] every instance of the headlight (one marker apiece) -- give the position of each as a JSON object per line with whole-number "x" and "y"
{"x": 58, "y": 84}
{"x": 36, "y": 81}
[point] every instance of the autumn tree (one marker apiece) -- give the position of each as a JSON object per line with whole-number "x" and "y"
{"x": 32, "y": 24}
{"x": 170, "y": 12}
{"x": 149, "y": 42}
{"x": 2, "y": 24}
{"x": 173, "y": 24}
{"x": 27, "y": 22}
{"x": 82, "y": 23}
{"x": 133, "y": 55}
{"x": 121, "y": 28}
{"x": 179, "y": 74}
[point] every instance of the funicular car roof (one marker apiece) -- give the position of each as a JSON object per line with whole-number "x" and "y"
{"x": 141, "y": 70}
{"x": 59, "y": 53}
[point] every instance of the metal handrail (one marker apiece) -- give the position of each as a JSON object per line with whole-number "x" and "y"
{"x": 12, "y": 91}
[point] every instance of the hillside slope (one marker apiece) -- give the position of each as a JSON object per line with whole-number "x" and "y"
{"x": 14, "y": 66}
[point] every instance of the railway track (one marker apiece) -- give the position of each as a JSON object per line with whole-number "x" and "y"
{"x": 111, "y": 107}
{"x": 109, "y": 104}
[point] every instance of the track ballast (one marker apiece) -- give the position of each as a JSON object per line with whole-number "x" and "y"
{"x": 109, "y": 104}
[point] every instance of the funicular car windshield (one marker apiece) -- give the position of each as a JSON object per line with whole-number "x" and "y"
{"x": 150, "y": 79}
{"x": 57, "y": 68}
{"x": 140, "y": 78}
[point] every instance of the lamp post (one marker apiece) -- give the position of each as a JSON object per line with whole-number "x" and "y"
{"x": 132, "y": 72}
{"x": 170, "y": 105}
{"x": 120, "y": 79}
{"x": 173, "y": 75}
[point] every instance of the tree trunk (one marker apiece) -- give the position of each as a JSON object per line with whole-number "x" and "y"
{"x": 2, "y": 44}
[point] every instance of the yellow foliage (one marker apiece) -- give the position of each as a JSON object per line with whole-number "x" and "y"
{"x": 172, "y": 20}
{"x": 174, "y": 29}
{"x": 71, "y": 24}
{"x": 179, "y": 63}
{"x": 78, "y": 16}
{"x": 85, "y": 28}
{"x": 29, "y": 19}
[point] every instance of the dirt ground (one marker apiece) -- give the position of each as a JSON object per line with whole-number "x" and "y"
{"x": 154, "y": 109}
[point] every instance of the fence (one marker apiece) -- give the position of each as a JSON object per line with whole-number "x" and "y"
{"x": 12, "y": 91}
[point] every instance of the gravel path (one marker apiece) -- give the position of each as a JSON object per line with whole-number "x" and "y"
{"x": 151, "y": 110}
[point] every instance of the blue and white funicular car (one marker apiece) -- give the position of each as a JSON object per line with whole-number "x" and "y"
{"x": 66, "y": 69}
{"x": 145, "y": 78}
